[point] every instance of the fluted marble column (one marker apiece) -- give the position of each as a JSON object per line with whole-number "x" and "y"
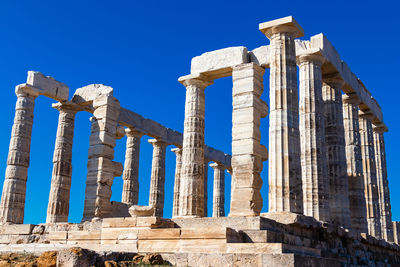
{"x": 191, "y": 198}
{"x": 383, "y": 185}
{"x": 336, "y": 151}
{"x": 370, "y": 181}
{"x": 14, "y": 188}
{"x": 312, "y": 136}
{"x": 101, "y": 169}
{"x": 130, "y": 189}
{"x": 358, "y": 209}
{"x": 157, "y": 180}
{"x": 206, "y": 161}
{"x": 177, "y": 182}
{"x": 58, "y": 206}
{"x": 219, "y": 190}
{"x": 285, "y": 191}
{"x": 396, "y": 232}
{"x": 247, "y": 152}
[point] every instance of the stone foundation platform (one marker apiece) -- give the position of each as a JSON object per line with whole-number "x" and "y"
{"x": 273, "y": 239}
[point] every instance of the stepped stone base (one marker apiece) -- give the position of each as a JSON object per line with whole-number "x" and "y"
{"x": 273, "y": 239}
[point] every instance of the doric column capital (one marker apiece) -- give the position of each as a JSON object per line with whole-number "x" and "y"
{"x": 351, "y": 99}
{"x": 26, "y": 90}
{"x": 67, "y": 107}
{"x": 131, "y": 132}
{"x": 157, "y": 143}
{"x": 311, "y": 55}
{"x": 217, "y": 166}
{"x": 379, "y": 129}
{"x": 177, "y": 150}
{"x": 284, "y": 25}
{"x": 198, "y": 80}
{"x": 333, "y": 80}
{"x": 365, "y": 115}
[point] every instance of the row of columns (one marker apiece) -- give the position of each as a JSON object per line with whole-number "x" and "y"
{"x": 101, "y": 167}
{"x": 325, "y": 159}
{"x": 157, "y": 180}
{"x": 335, "y": 136}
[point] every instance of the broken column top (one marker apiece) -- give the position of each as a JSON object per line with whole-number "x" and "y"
{"x": 286, "y": 24}
{"x": 86, "y": 95}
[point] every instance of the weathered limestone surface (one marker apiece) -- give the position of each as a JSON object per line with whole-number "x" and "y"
{"x": 58, "y": 206}
{"x": 191, "y": 198}
{"x": 336, "y": 152}
{"x": 370, "y": 181}
{"x": 101, "y": 167}
{"x": 219, "y": 190}
{"x": 312, "y": 138}
{"x": 358, "y": 209}
{"x": 130, "y": 189}
{"x": 157, "y": 179}
{"x": 247, "y": 152}
{"x": 284, "y": 173}
{"x": 383, "y": 185}
{"x": 177, "y": 181}
{"x": 14, "y": 187}
{"x": 219, "y": 63}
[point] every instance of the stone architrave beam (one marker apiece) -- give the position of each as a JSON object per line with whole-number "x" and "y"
{"x": 48, "y": 86}
{"x": 156, "y": 130}
{"x": 333, "y": 64}
{"x": 219, "y": 63}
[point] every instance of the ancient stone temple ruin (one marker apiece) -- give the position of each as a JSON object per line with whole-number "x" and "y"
{"x": 328, "y": 193}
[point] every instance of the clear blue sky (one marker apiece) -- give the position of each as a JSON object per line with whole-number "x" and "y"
{"x": 140, "y": 48}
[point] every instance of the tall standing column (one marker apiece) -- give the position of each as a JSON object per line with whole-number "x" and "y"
{"x": 130, "y": 189}
{"x": 191, "y": 198}
{"x": 336, "y": 152}
{"x": 383, "y": 184}
{"x": 157, "y": 180}
{"x": 247, "y": 152}
{"x": 312, "y": 136}
{"x": 370, "y": 181}
{"x": 206, "y": 161}
{"x": 177, "y": 182}
{"x": 358, "y": 209}
{"x": 101, "y": 167}
{"x": 14, "y": 188}
{"x": 58, "y": 207}
{"x": 219, "y": 190}
{"x": 285, "y": 191}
